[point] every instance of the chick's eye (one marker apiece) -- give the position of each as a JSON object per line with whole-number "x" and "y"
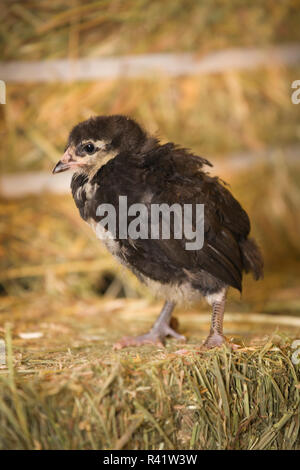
{"x": 89, "y": 148}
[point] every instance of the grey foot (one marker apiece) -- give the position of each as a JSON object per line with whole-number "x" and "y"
{"x": 153, "y": 337}
{"x": 214, "y": 340}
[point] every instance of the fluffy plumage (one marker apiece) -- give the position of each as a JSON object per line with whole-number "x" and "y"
{"x": 128, "y": 162}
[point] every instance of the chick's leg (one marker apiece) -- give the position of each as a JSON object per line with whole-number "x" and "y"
{"x": 216, "y": 337}
{"x": 158, "y": 332}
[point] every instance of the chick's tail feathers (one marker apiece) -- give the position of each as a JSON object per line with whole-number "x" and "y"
{"x": 252, "y": 258}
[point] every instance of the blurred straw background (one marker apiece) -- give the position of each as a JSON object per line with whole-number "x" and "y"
{"x": 55, "y": 276}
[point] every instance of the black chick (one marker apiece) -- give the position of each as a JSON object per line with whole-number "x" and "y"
{"x": 113, "y": 156}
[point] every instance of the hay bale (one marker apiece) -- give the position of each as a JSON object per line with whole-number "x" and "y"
{"x": 81, "y": 394}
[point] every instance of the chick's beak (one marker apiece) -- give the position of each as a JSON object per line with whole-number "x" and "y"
{"x": 65, "y": 163}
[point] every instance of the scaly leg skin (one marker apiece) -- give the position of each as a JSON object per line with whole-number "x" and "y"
{"x": 158, "y": 332}
{"x": 216, "y": 337}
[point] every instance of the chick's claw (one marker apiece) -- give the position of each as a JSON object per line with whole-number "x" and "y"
{"x": 155, "y": 338}
{"x": 148, "y": 338}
